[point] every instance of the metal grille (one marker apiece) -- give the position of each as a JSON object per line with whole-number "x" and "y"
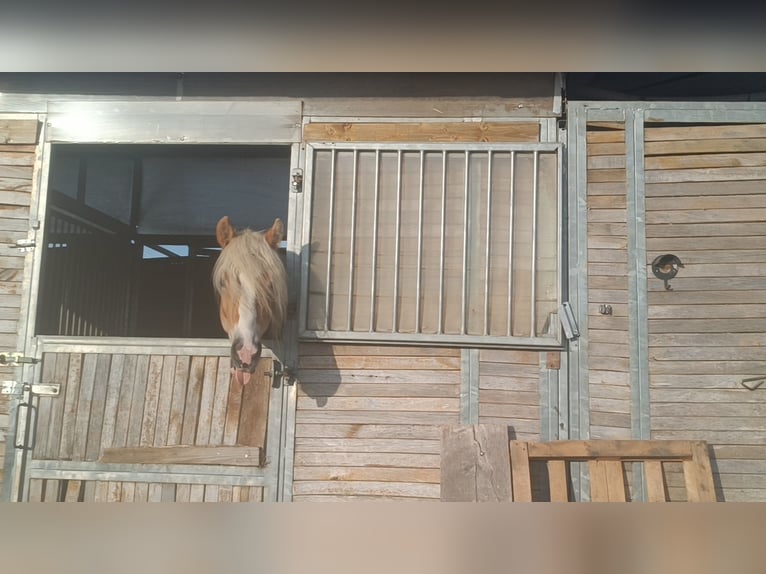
{"x": 440, "y": 243}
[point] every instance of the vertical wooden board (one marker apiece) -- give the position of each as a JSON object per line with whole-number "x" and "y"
{"x": 142, "y": 492}
{"x": 615, "y": 480}
{"x": 128, "y": 493}
{"x": 206, "y": 401}
{"x": 256, "y": 494}
{"x": 44, "y": 409}
{"x": 175, "y": 424}
{"x": 655, "y": 481}
{"x": 111, "y": 402}
{"x": 84, "y": 402}
{"x": 225, "y": 494}
{"x": 557, "y": 478}
{"x": 236, "y": 494}
{"x": 60, "y": 375}
{"x": 701, "y": 457}
{"x": 89, "y": 491}
{"x": 599, "y": 488}
{"x": 233, "y": 407}
{"x": 97, "y": 408}
{"x": 151, "y": 400}
{"x": 192, "y": 405}
{"x": 122, "y": 417}
{"x": 183, "y": 492}
{"x": 164, "y": 401}
{"x": 52, "y": 490}
{"x": 137, "y": 401}
{"x": 211, "y": 493}
{"x": 168, "y": 492}
{"x": 35, "y": 490}
{"x": 254, "y": 413}
{"x": 520, "y": 472}
{"x": 73, "y": 491}
{"x": 69, "y": 416}
{"x": 218, "y": 419}
{"x": 197, "y": 493}
{"x": 101, "y": 491}
{"x": 475, "y": 464}
{"x": 155, "y": 492}
{"x": 113, "y": 491}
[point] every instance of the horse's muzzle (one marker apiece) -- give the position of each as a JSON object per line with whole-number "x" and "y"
{"x": 244, "y": 371}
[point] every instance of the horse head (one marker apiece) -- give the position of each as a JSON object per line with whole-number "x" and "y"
{"x": 251, "y": 284}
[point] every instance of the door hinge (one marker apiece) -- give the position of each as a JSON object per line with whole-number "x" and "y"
{"x": 17, "y": 388}
{"x": 24, "y": 245}
{"x": 16, "y": 359}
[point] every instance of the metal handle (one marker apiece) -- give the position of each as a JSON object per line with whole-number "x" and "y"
{"x": 27, "y": 427}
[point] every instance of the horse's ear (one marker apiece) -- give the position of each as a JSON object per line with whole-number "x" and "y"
{"x": 224, "y": 232}
{"x": 275, "y": 235}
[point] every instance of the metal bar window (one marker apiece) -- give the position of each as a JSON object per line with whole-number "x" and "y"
{"x": 438, "y": 230}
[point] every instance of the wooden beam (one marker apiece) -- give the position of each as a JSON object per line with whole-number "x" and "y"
{"x": 617, "y": 449}
{"x": 18, "y": 132}
{"x": 423, "y": 132}
{"x": 475, "y": 464}
{"x": 522, "y": 480}
{"x": 219, "y": 455}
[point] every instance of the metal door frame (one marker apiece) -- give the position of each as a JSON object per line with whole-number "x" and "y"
{"x": 155, "y": 121}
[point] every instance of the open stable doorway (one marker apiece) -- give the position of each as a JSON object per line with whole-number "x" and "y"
{"x": 130, "y": 233}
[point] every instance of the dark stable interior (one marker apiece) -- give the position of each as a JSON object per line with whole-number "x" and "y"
{"x": 130, "y": 234}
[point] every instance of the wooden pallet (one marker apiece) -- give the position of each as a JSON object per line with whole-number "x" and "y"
{"x": 479, "y": 463}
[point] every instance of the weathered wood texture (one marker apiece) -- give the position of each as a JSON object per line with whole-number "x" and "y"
{"x": 706, "y": 194}
{"x": 509, "y": 391}
{"x": 608, "y": 336}
{"x": 17, "y": 161}
{"x": 607, "y": 462}
{"x": 475, "y": 464}
{"x": 140, "y": 402}
{"x": 368, "y": 421}
{"x": 422, "y": 132}
{"x": 49, "y": 490}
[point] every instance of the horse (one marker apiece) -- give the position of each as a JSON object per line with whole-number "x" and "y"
{"x": 250, "y": 283}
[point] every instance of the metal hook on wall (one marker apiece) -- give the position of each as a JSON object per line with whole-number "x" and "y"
{"x": 665, "y": 267}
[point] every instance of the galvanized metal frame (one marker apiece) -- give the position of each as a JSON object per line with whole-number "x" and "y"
{"x": 117, "y": 123}
{"x": 440, "y": 338}
{"x": 469, "y": 386}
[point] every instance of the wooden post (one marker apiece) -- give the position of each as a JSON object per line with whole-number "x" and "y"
{"x": 475, "y": 464}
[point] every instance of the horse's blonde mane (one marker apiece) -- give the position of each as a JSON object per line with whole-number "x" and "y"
{"x": 249, "y": 270}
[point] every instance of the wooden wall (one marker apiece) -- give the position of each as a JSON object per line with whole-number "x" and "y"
{"x": 706, "y": 203}
{"x": 608, "y": 360}
{"x": 368, "y": 421}
{"x": 18, "y": 140}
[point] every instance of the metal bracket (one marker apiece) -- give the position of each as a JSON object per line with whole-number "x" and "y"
{"x": 16, "y": 359}
{"x": 568, "y": 321}
{"x": 296, "y": 181}
{"x": 16, "y": 388}
{"x": 25, "y": 245}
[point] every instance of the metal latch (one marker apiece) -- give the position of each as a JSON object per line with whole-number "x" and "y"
{"x": 16, "y": 388}
{"x": 16, "y": 359}
{"x": 25, "y": 244}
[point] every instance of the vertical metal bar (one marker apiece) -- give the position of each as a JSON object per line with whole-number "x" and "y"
{"x": 395, "y": 306}
{"x": 638, "y": 315}
{"x": 511, "y": 200}
{"x": 374, "y": 240}
{"x": 464, "y": 304}
{"x": 329, "y": 241}
{"x": 487, "y": 245}
{"x": 352, "y": 244}
{"x": 533, "y": 310}
{"x": 419, "y": 268}
{"x": 440, "y": 328}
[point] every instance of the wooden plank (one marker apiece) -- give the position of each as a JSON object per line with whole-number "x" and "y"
{"x": 419, "y": 490}
{"x": 219, "y": 455}
{"x": 364, "y": 459}
{"x": 383, "y": 404}
{"x": 366, "y": 445}
{"x": 708, "y": 311}
{"x": 18, "y": 132}
{"x": 521, "y": 478}
{"x": 693, "y": 146}
{"x": 122, "y": 418}
{"x": 557, "y": 479}
{"x": 128, "y": 493}
{"x": 379, "y": 474}
{"x": 176, "y": 419}
{"x": 616, "y": 449}
{"x": 713, "y": 132}
{"x": 323, "y": 349}
{"x": 193, "y": 397}
{"x": 233, "y": 409}
{"x": 379, "y": 431}
{"x": 84, "y": 402}
{"x": 137, "y": 402}
{"x": 705, "y": 488}
{"x": 151, "y": 399}
{"x": 69, "y": 414}
{"x": 599, "y": 488}
{"x": 614, "y": 480}
{"x": 254, "y": 412}
{"x": 98, "y": 406}
{"x": 702, "y": 188}
{"x": 111, "y": 402}
{"x": 197, "y": 493}
{"x": 12, "y": 158}
{"x": 362, "y": 376}
{"x": 36, "y": 490}
{"x": 220, "y": 400}
{"x": 45, "y": 406}
{"x": 372, "y": 362}
{"x": 206, "y": 401}
{"x": 655, "y": 481}
{"x": 183, "y": 492}
{"x": 211, "y": 493}
{"x": 73, "y": 491}
{"x": 165, "y": 398}
{"x": 377, "y": 390}
{"x": 423, "y": 132}
{"x": 377, "y": 417}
